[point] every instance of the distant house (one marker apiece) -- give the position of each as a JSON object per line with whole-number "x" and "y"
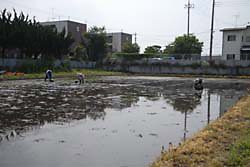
{"x": 236, "y": 43}
{"x": 117, "y": 40}
{"x": 74, "y": 28}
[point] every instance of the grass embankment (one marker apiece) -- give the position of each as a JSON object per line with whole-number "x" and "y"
{"x": 72, "y": 73}
{"x": 99, "y": 72}
{"x": 225, "y": 142}
{"x": 197, "y": 76}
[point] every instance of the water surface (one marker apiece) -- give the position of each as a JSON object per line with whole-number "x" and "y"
{"x": 120, "y": 122}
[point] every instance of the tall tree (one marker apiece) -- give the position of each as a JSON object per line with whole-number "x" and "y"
{"x": 32, "y": 39}
{"x": 5, "y": 32}
{"x": 153, "y": 49}
{"x": 130, "y": 48}
{"x": 185, "y": 45}
{"x": 95, "y": 42}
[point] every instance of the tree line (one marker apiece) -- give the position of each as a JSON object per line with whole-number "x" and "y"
{"x": 182, "y": 45}
{"x": 31, "y": 39}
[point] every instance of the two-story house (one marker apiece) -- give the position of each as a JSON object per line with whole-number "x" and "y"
{"x": 236, "y": 43}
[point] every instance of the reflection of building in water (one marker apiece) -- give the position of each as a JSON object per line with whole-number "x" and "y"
{"x": 227, "y": 101}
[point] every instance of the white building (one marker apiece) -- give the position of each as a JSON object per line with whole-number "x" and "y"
{"x": 117, "y": 40}
{"x": 236, "y": 43}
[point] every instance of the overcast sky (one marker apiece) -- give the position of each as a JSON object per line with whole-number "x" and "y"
{"x": 154, "y": 21}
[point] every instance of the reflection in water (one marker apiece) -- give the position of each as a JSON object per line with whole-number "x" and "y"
{"x": 227, "y": 101}
{"x": 31, "y": 105}
{"x": 197, "y": 97}
{"x": 28, "y": 105}
{"x": 185, "y": 126}
{"x": 208, "y": 107}
{"x": 140, "y": 114}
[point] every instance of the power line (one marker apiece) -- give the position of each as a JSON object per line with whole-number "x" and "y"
{"x": 201, "y": 13}
{"x": 45, "y": 11}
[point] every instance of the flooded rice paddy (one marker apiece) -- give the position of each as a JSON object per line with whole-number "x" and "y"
{"x": 108, "y": 122}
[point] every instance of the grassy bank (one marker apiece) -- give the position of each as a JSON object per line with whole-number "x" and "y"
{"x": 72, "y": 73}
{"x": 225, "y": 142}
{"x": 100, "y": 72}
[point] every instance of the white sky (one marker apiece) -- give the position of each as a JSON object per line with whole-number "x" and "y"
{"x": 155, "y": 21}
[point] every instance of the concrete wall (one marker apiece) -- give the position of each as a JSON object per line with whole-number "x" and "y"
{"x": 219, "y": 67}
{"x": 77, "y": 64}
{"x": 160, "y": 69}
{"x": 206, "y": 58}
{"x": 229, "y": 63}
{"x": 12, "y": 63}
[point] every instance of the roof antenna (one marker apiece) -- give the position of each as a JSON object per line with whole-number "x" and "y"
{"x": 53, "y": 18}
{"x": 236, "y": 19}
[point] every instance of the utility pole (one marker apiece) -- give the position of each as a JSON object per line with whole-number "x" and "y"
{"x": 135, "y": 38}
{"x": 188, "y": 6}
{"x": 212, "y": 33}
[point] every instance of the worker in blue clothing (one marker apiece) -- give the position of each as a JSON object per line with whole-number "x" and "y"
{"x": 48, "y": 75}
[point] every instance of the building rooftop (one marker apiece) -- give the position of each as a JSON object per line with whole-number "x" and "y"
{"x": 110, "y": 33}
{"x": 58, "y": 21}
{"x": 235, "y": 29}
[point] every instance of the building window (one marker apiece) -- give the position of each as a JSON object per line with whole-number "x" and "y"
{"x": 230, "y": 56}
{"x": 231, "y": 38}
{"x": 77, "y": 29}
{"x": 248, "y": 39}
{"x": 245, "y": 57}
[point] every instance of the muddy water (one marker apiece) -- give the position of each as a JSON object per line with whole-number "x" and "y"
{"x": 120, "y": 122}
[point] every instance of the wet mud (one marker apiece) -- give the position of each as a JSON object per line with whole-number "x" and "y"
{"x": 29, "y": 105}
